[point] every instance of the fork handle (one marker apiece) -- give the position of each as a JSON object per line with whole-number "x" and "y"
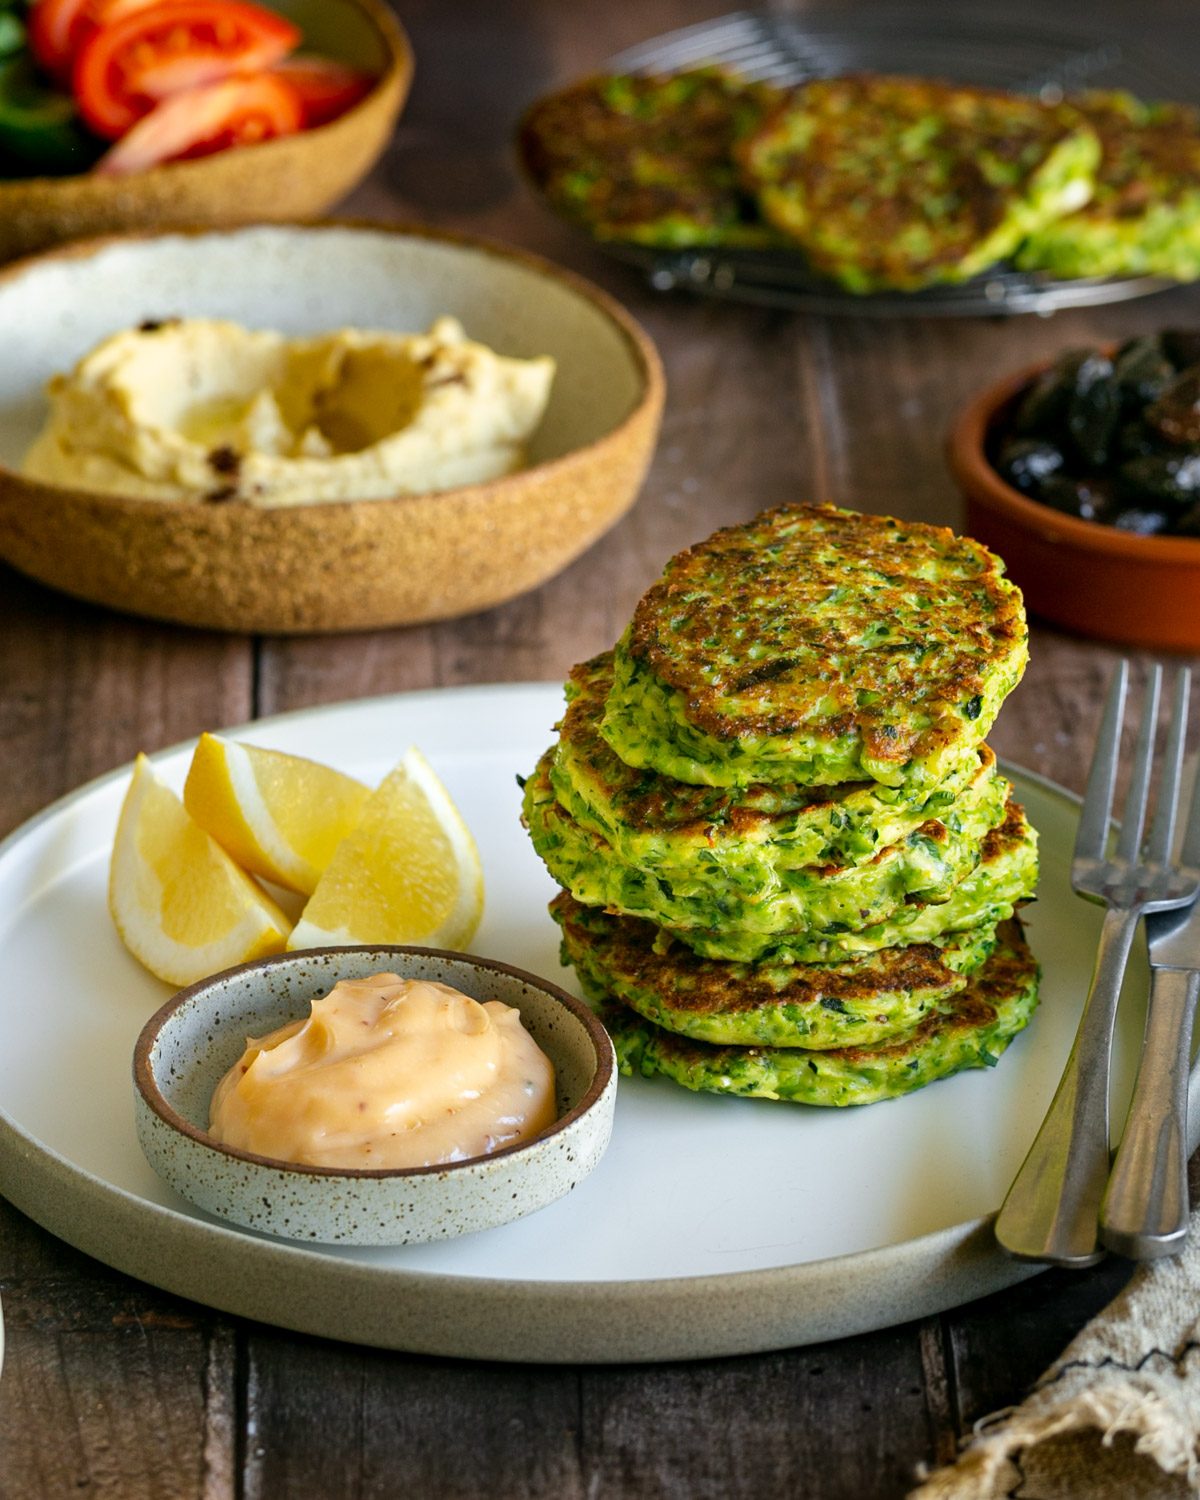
{"x": 1145, "y": 1210}
{"x": 1053, "y": 1207}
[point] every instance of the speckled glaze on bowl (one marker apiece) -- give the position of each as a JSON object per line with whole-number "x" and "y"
{"x": 187, "y": 1046}
{"x": 1090, "y": 578}
{"x": 294, "y": 177}
{"x": 355, "y": 564}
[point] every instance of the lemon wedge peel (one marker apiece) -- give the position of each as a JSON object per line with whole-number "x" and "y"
{"x": 180, "y": 904}
{"x": 280, "y": 816}
{"x": 409, "y": 873}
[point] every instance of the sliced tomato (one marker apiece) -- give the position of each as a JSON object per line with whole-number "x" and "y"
{"x": 326, "y": 88}
{"x": 50, "y": 25}
{"x": 201, "y": 121}
{"x": 58, "y": 28}
{"x": 125, "y": 69}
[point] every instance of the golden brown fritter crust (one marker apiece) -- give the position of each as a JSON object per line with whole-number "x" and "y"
{"x": 820, "y": 619}
{"x": 898, "y": 182}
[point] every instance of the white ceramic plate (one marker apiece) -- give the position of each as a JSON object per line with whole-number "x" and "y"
{"x": 712, "y": 1226}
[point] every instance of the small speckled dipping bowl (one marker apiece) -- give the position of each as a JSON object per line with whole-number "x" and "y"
{"x": 188, "y": 1045}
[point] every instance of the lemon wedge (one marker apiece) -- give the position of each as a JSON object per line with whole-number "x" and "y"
{"x": 278, "y": 815}
{"x": 180, "y": 904}
{"x": 409, "y": 873}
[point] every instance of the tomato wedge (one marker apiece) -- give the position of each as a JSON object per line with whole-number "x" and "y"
{"x": 58, "y": 28}
{"x": 124, "y": 70}
{"x": 201, "y": 121}
{"x": 326, "y": 88}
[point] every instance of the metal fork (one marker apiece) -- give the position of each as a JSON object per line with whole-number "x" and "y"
{"x": 1052, "y": 1209}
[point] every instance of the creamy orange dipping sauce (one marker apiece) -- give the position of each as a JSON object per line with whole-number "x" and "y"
{"x": 387, "y": 1072}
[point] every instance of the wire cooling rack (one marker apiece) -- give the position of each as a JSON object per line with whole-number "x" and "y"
{"x": 949, "y": 43}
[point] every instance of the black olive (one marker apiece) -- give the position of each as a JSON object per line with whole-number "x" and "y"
{"x": 1164, "y": 478}
{"x": 1142, "y": 373}
{"x": 1181, "y": 346}
{"x": 1093, "y": 410}
{"x": 1137, "y": 344}
{"x": 1025, "y": 462}
{"x": 1176, "y": 413}
{"x": 1085, "y": 498}
{"x": 1136, "y": 440}
{"x": 1141, "y": 520}
{"x": 1043, "y": 408}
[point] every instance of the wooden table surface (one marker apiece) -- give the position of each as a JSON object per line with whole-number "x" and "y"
{"x": 113, "y": 1388}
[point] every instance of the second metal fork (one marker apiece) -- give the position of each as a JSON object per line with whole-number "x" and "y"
{"x": 1052, "y": 1209}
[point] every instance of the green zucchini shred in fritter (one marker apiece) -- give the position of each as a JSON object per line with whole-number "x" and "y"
{"x": 762, "y": 898}
{"x": 667, "y": 825}
{"x": 858, "y": 1001}
{"x": 818, "y": 645}
{"x": 900, "y": 183}
{"x": 971, "y": 1032}
{"x": 649, "y": 159}
{"x": 1144, "y": 217}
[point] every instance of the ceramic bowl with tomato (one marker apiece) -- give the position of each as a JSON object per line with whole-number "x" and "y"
{"x": 124, "y": 114}
{"x": 349, "y": 564}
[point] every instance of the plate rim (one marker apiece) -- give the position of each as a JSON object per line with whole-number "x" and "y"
{"x": 519, "y": 1321}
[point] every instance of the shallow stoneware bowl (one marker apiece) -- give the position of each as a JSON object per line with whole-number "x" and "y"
{"x": 352, "y": 564}
{"x": 1090, "y": 578}
{"x": 187, "y": 1046}
{"x": 291, "y": 178}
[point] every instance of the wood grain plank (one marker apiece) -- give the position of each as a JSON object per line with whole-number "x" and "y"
{"x": 1003, "y": 1343}
{"x": 845, "y": 1421}
{"x": 106, "y": 1383}
{"x": 83, "y": 690}
{"x": 329, "y": 1420}
{"x": 91, "y": 1358}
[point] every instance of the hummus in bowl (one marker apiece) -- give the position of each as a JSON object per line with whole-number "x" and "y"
{"x": 204, "y": 409}
{"x": 353, "y": 557}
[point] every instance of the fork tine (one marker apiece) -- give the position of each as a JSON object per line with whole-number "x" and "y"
{"x": 1091, "y": 838}
{"x": 1162, "y": 832}
{"x": 1190, "y": 853}
{"x": 1134, "y": 817}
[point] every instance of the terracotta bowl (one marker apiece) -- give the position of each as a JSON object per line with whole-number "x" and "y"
{"x": 187, "y": 1047}
{"x": 293, "y": 178}
{"x": 350, "y": 565}
{"x": 1090, "y": 578}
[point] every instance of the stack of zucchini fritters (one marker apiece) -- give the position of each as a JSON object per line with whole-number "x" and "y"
{"x": 789, "y": 863}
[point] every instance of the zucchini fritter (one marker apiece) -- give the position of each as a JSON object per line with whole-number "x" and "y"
{"x": 898, "y": 183}
{"x": 649, "y": 158}
{"x": 971, "y": 1032}
{"x": 857, "y": 1001}
{"x": 762, "y": 900}
{"x": 1005, "y": 877}
{"x": 673, "y": 826}
{"x": 816, "y": 645}
{"x": 1144, "y": 217}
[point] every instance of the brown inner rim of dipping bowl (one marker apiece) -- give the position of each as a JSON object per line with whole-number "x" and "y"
{"x": 147, "y": 1086}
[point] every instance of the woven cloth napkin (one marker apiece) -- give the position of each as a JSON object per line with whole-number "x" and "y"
{"x": 1117, "y": 1417}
